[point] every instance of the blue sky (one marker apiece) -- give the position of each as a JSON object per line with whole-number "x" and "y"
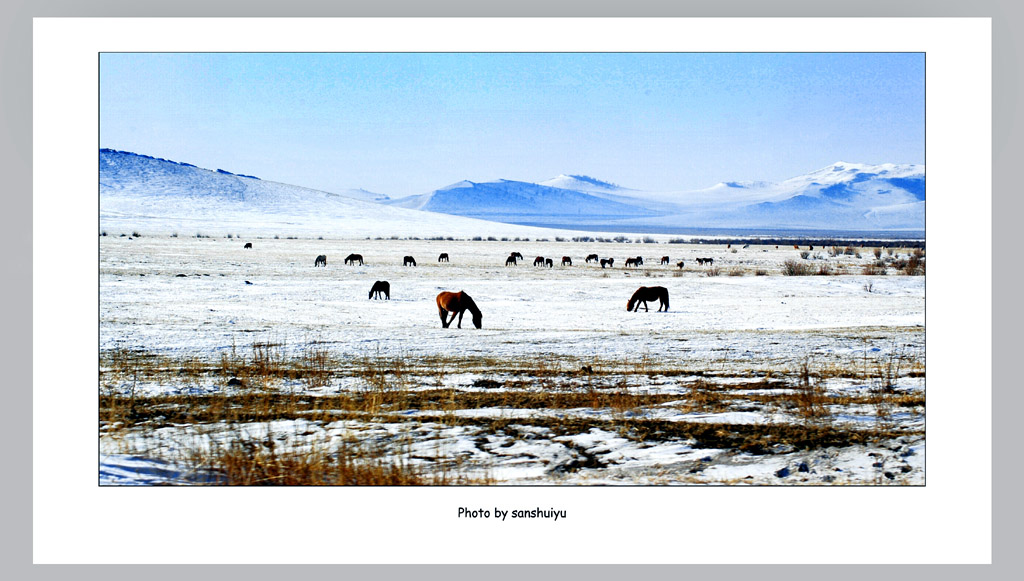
{"x": 402, "y": 124}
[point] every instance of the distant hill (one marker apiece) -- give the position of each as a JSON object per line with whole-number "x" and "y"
{"x": 153, "y": 195}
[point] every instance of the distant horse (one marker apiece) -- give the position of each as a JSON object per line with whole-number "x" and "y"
{"x": 539, "y": 261}
{"x": 631, "y": 262}
{"x": 443, "y": 257}
{"x": 592, "y": 257}
{"x": 648, "y": 293}
{"x": 664, "y": 260}
{"x": 708, "y": 261}
{"x": 517, "y": 255}
{"x": 408, "y": 260}
{"x": 247, "y": 245}
{"x": 549, "y": 263}
{"x": 680, "y": 264}
{"x": 566, "y": 261}
{"x": 379, "y": 287}
{"x": 320, "y": 260}
{"x": 511, "y": 260}
{"x": 457, "y": 303}
{"x": 353, "y": 258}
{"x": 639, "y": 261}
{"x": 609, "y": 262}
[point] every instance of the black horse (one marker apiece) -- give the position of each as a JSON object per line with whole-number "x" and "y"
{"x": 648, "y": 293}
{"x": 511, "y": 260}
{"x": 518, "y": 255}
{"x": 539, "y": 261}
{"x": 443, "y": 257}
{"x": 592, "y": 257}
{"x": 354, "y": 258}
{"x": 609, "y": 262}
{"x": 680, "y": 264}
{"x": 549, "y": 263}
{"x": 408, "y": 261}
{"x": 320, "y": 261}
{"x": 664, "y": 260}
{"x": 380, "y": 287}
{"x": 247, "y": 245}
{"x": 566, "y": 261}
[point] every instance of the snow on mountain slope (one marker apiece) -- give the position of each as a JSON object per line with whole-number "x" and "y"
{"x": 515, "y": 201}
{"x": 153, "y": 195}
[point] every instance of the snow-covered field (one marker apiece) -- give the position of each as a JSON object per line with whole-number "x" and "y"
{"x": 746, "y": 334}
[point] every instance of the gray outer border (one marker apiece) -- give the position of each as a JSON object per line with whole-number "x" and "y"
{"x": 15, "y": 153}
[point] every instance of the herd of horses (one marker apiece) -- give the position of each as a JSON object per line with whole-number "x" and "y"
{"x": 514, "y": 258}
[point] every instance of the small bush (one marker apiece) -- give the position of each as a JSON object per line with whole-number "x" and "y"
{"x": 713, "y": 271}
{"x": 804, "y": 254}
{"x": 760, "y": 272}
{"x": 878, "y": 253}
{"x": 794, "y": 268}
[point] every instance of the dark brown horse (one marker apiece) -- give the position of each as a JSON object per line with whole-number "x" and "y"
{"x": 320, "y": 261}
{"x": 518, "y": 255}
{"x": 457, "y": 303}
{"x": 609, "y": 262}
{"x": 247, "y": 245}
{"x": 539, "y": 261}
{"x": 664, "y": 260}
{"x": 549, "y": 263}
{"x": 443, "y": 257}
{"x": 566, "y": 261}
{"x": 648, "y": 293}
{"x": 680, "y": 264}
{"x": 354, "y": 258}
{"x": 631, "y": 262}
{"x": 592, "y": 257}
{"x": 380, "y": 287}
{"x": 511, "y": 260}
{"x": 408, "y": 260}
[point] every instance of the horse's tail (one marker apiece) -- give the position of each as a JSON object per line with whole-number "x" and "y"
{"x": 664, "y": 297}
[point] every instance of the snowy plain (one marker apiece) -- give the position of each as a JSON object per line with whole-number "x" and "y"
{"x": 189, "y": 298}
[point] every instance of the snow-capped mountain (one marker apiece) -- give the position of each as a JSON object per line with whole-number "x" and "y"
{"x": 842, "y": 196}
{"x": 153, "y": 195}
{"x": 139, "y": 192}
{"x": 525, "y": 202}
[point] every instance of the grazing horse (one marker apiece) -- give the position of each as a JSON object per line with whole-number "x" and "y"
{"x": 247, "y": 245}
{"x": 539, "y": 261}
{"x": 443, "y": 257}
{"x": 639, "y": 261}
{"x": 680, "y": 264}
{"x": 664, "y": 260}
{"x": 408, "y": 260}
{"x": 517, "y": 255}
{"x": 609, "y": 262}
{"x": 566, "y": 261}
{"x": 353, "y": 258}
{"x": 549, "y": 263}
{"x": 511, "y": 260}
{"x": 592, "y": 257}
{"x": 379, "y": 287}
{"x": 457, "y": 303}
{"x": 320, "y": 261}
{"x": 707, "y": 261}
{"x": 630, "y": 262}
{"x": 648, "y": 293}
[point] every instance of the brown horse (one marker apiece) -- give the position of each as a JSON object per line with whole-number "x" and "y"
{"x": 511, "y": 260}
{"x": 630, "y": 262}
{"x": 457, "y": 303}
{"x": 664, "y": 260}
{"x": 566, "y": 261}
{"x": 539, "y": 261}
{"x": 592, "y": 257}
{"x": 648, "y": 293}
{"x": 380, "y": 287}
{"x": 609, "y": 262}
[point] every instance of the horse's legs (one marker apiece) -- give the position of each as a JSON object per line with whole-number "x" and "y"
{"x": 443, "y": 313}
{"x": 646, "y": 310}
{"x": 460, "y": 318}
